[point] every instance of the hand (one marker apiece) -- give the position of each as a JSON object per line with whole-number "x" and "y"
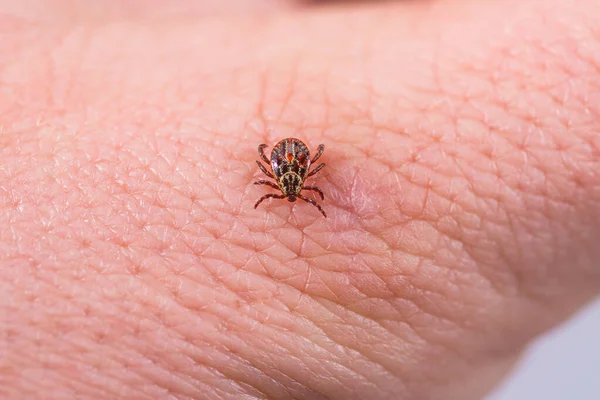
{"x": 462, "y": 192}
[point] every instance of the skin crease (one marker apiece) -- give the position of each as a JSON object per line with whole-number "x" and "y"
{"x": 462, "y": 192}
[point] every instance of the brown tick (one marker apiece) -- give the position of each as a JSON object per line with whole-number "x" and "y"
{"x": 290, "y": 163}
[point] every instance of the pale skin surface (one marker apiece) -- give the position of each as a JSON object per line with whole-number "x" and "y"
{"x": 462, "y": 190}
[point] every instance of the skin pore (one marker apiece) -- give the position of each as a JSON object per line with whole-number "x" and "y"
{"x": 462, "y": 195}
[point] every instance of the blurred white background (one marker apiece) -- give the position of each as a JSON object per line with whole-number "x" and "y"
{"x": 565, "y": 364}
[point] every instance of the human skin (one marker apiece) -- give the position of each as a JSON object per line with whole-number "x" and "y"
{"x": 462, "y": 191}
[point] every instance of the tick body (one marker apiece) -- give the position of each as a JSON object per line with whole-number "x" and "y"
{"x": 290, "y": 165}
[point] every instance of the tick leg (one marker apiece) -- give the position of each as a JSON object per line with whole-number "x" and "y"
{"x": 264, "y": 170}
{"x": 320, "y": 151}
{"x": 261, "y": 153}
{"x": 316, "y": 189}
{"x": 314, "y": 171}
{"x": 268, "y": 196}
{"x": 314, "y": 203}
{"x": 268, "y": 183}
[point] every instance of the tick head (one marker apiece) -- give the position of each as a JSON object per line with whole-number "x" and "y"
{"x": 291, "y": 198}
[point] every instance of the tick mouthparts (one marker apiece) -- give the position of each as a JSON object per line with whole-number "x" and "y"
{"x": 291, "y": 199}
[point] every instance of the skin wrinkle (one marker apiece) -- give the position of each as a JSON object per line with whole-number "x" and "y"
{"x": 277, "y": 374}
{"x": 332, "y": 292}
{"x": 362, "y": 315}
{"x": 349, "y": 335}
{"x": 349, "y": 348}
{"x": 402, "y": 292}
{"x": 321, "y": 375}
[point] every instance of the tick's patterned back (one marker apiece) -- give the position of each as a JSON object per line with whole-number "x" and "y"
{"x": 290, "y": 160}
{"x": 290, "y": 155}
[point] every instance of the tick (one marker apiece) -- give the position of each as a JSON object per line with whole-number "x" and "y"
{"x": 290, "y": 164}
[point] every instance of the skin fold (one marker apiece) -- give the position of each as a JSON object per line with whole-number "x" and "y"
{"x": 462, "y": 192}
